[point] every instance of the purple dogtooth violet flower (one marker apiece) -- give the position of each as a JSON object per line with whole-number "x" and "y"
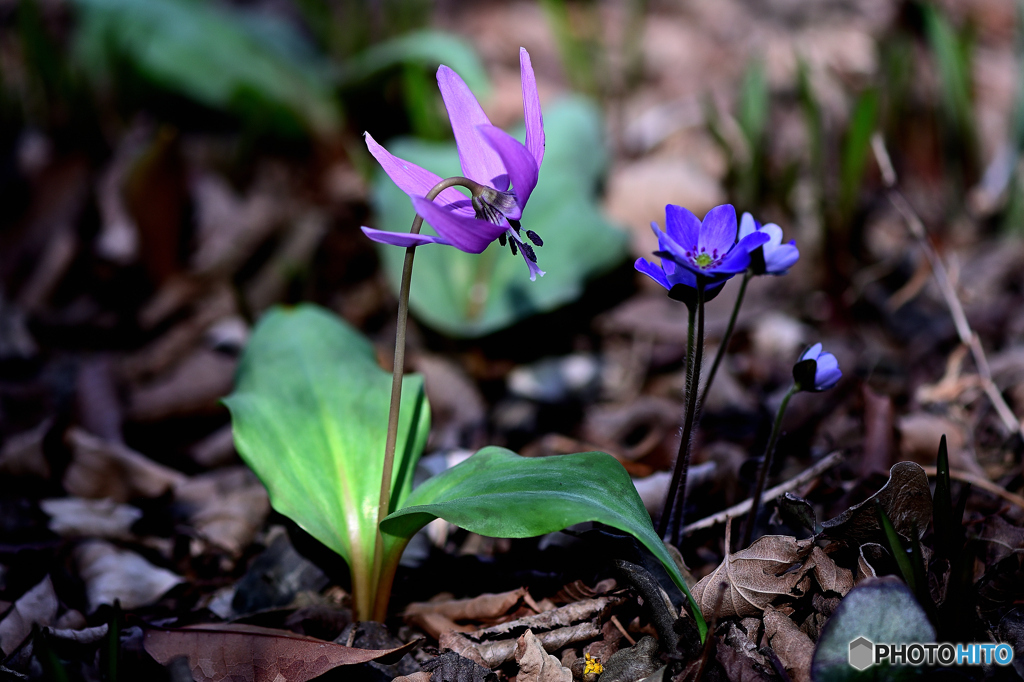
{"x": 502, "y": 171}
{"x": 775, "y": 258}
{"x": 690, "y": 248}
{"x": 816, "y": 370}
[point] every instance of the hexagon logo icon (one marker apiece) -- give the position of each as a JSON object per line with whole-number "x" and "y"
{"x": 862, "y": 653}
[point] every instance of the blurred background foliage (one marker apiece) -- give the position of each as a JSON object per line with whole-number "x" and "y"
{"x": 302, "y": 79}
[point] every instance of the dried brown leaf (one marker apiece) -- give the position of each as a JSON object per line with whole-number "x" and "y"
{"x": 753, "y": 577}
{"x": 248, "y": 653}
{"x": 869, "y": 555}
{"x": 480, "y": 608}
{"x": 494, "y": 653}
{"x": 192, "y": 386}
{"x": 830, "y": 577}
{"x": 1000, "y": 539}
{"x": 38, "y": 606}
{"x": 113, "y": 574}
{"x": 905, "y": 498}
{"x": 535, "y": 664}
{"x": 227, "y": 507}
{"x": 793, "y": 647}
{"x": 560, "y": 617}
{"x": 101, "y": 468}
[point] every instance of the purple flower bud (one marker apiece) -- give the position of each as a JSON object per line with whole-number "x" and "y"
{"x": 816, "y": 370}
{"x": 777, "y": 258}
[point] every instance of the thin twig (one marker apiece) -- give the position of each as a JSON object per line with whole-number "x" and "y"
{"x": 615, "y": 621}
{"x": 982, "y": 483}
{"x": 963, "y": 328}
{"x": 743, "y": 507}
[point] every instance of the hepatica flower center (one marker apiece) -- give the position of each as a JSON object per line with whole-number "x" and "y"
{"x": 704, "y": 260}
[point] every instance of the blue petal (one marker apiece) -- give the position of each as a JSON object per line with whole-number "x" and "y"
{"x": 781, "y": 258}
{"x": 747, "y": 226}
{"x": 682, "y": 226}
{"x": 811, "y": 353}
{"x": 718, "y": 231}
{"x": 827, "y": 373}
{"x": 652, "y": 271}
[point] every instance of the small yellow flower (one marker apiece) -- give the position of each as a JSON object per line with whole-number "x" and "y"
{"x": 593, "y": 665}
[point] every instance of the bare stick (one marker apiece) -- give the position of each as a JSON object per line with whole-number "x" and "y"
{"x": 963, "y": 329}
{"x": 744, "y": 507}
{"x": 982, "y": 483}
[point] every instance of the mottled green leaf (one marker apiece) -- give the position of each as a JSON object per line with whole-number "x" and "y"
{"x": 500, "y": 494}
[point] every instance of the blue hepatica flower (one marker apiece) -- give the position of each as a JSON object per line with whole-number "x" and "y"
{"x": 778, "y": 257}
{"x": 506, "y": 169}
{"x": 689, "y": 248}
{"x": 816, "y": 370}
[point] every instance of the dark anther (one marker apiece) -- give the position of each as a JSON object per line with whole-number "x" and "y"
{"x": 501, "y": 239}
{"x": 528, "y": 251}
{"x": 516, "y": 225}
{"x": 535, "y": 238}
{"x": 512, "y": 243}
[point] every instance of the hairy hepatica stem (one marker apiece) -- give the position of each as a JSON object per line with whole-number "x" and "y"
{"x": 766, "y": 465}
{"x": 671, "y": 521}
{"x": 381, "y": 599}
{"x": 725, "y": 338}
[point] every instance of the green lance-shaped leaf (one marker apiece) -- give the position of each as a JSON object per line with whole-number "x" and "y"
{"x": 310, "y": 413}
{"x": 501, "y": 494}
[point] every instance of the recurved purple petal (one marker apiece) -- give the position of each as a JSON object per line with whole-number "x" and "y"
{"x": 718, "y": 230}
{"x": 653, "y": 271}
{"x": 401, "y": 238}
{"x": 412, "y": 179}
{"x": 531, "y": 108}
{"x": 520, "y": 164}
{"x": 682, "y": 226}
{"x": 471, "y": 235}
{"x": 479, "y": 161}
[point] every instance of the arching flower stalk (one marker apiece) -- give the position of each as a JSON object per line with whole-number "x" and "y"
{"x": 500, "y": 173}
{"x": 814, "y": 372}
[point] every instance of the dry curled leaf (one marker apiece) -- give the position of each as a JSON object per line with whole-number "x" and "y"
{"x": 792, "y": 646}
{"x": 830, "y": 577}
{"x": 437, "y": 616}
{"x": 494, "y": 653}
{"x": 753, "y": 577}
{"x": 905, "y": 498}
{"x": 537, "y": 665}
{"x": 248, "y": 653}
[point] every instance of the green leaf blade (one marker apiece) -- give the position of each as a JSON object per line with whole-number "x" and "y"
{"x": 309, "y": 414}
{"x": 500, "y": 494}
